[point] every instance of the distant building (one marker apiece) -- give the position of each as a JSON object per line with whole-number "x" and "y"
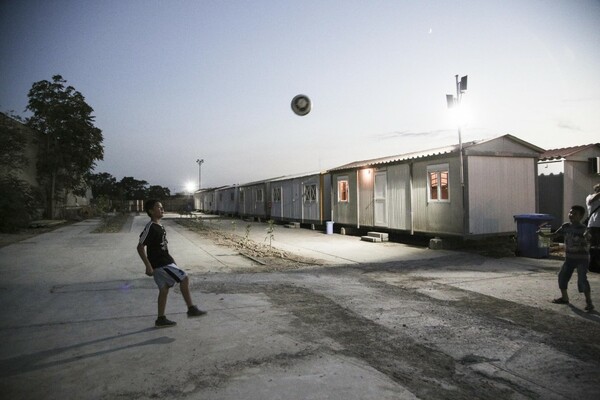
{"x": 566, "y": 177}
{"x": 28, "y": 173}
{"x": 67, "y": 207}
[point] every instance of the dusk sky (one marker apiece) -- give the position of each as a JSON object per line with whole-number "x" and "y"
{"x": 174, "y": 81}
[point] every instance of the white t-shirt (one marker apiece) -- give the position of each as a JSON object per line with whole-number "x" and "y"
{"x": 594, "y": 221}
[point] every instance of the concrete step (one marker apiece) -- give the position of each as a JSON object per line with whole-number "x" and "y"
{"x": 371, "y": 239}
{"x": 381, "y": 235}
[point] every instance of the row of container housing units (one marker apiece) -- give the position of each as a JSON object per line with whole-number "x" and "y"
{"x": 444, "y": 191}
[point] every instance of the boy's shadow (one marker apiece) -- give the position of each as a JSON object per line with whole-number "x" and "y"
{"x": 32, "y": 362}
{"x": 593, "y": 315}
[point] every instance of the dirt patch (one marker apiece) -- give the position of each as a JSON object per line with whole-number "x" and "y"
{"x": 411, "y": 352}
{"x": 267, "y": 258}
{"x": 23, "y": 234}
{"x": 10, "y": 238}
{"x": 113, "y": 223}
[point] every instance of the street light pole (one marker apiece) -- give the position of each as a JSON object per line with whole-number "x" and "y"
{"x": 454, "y": 102}
{"x": 200, "y": 162}
{"x": 458, "y": 98}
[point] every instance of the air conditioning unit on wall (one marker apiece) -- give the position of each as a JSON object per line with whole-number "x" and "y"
{"x": 595, "y": 165}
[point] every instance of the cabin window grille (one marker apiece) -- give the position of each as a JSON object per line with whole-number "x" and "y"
{"x": 438, "y": 179}
{"x": 242, "y": 196}
{"x": 259, "y": 195}
{"x": 231, "y": 196}
{"x": 343, "y": 190}
{"x": 310, "y": 193}
{"x": 277, "y": 195}
{"x": 220, "y": 196}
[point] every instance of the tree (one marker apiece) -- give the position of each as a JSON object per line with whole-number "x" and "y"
{"x": 70, "y": 144}
{"x": 107, "y": 190}
{"x": 158, "y": 192}
{"x": 104, "y": 184}
{"x": 133, "y": 189}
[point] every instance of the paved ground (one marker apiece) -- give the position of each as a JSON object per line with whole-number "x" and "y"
{"x": 371, "y": 321}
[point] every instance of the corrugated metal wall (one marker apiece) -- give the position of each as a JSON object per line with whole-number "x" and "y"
{"x": 311, "y": 211}
{"x": 551, "y": 197}
{"x": 498, "y": 189}
{"x": 398, "y": 192}
{"x": 227, "y": 200}
{"x": 293, "y": 205}
{"x": 278, "y": 209}
{"x": 325, "y": 198}
{"x": 365, "y": 203}
{"x": 344, "y": 213}
{"x": 579, "y": 182}
{"x": 437, "y": 217}
{"x": 207, "y": 203}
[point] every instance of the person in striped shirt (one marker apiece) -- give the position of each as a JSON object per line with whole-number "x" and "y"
{"x": 576, "y": 258}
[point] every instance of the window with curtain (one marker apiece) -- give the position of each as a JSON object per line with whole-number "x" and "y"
{"x": 343, "y": 190}
{"x": 438, "y": 182}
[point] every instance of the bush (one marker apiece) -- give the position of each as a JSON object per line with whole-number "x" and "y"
{"x": 19, "y": 204}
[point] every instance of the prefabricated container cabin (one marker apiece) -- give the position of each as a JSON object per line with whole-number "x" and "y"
{"x": 304, "y": 198}
{"x": 204, "y": 200}
{"x": 253, "y": 200}
{"x": 227, "y": 200}
{"x": 566, "y": 178}
{"x": 440, "y": 192}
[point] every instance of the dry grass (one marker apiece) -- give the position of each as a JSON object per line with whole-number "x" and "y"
{"x": 112, "y": 223}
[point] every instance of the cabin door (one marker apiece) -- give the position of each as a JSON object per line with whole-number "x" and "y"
{"x": 309, "y": 200}
{"x": 380, "y": 199}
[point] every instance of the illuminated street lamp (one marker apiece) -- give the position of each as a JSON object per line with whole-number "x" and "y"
{"x": 190, "y": 187}
{"x": 200, "y": 162}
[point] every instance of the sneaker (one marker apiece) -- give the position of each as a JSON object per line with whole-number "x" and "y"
{"x": 589, "y": 307}
{"x": 194, "y": 311}
{"x": 163, "y": 322}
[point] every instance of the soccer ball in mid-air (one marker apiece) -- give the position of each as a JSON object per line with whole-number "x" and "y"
{"x": 301, "y": 105}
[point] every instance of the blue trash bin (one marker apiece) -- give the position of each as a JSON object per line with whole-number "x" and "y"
{"x": 529, "y": 244}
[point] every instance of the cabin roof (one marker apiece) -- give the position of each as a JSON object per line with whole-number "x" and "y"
{"x": 565, "y": 152}
{"x": 429, "y": 153}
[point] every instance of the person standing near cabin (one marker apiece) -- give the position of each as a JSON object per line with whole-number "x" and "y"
{"x": 153, "y": 250}
{"x": 577, "y": 256}
{"x": 593, "y": 206}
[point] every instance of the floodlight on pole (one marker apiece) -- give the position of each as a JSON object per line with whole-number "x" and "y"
{"x": 463, "y": 84}
{"x": 200, "y": 162}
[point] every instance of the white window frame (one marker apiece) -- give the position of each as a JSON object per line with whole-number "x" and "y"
{"x": 347, "y": 189}
{"x": 438, "y": 169}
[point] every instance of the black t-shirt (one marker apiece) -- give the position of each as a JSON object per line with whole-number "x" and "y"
{"x": 154, "y": 237}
